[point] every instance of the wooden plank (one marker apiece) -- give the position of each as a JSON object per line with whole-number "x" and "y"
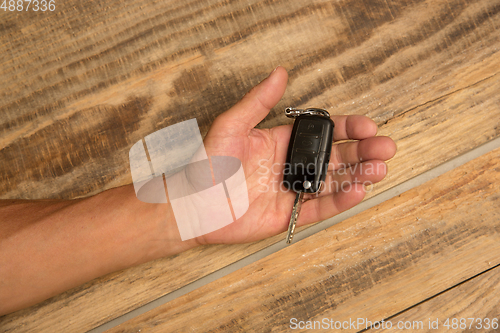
{"x": 370, "y": 266}
{"x": 470, "y": 57}
{"x": 71, "y": 75}
{"x": 476, "y": 115}
{"x": 476, "y": 299}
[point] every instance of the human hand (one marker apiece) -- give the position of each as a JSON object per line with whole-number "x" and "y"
{"x": 263, "y": 155}
{"x": 113, "y": 230}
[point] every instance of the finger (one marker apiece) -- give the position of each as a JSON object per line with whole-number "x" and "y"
{"x": 349, "y": 127}
{"x": 353, "y": 127}
{"x": 254, "y": 106}
{"x": 349, "y": 153}
{"x": 324, "y": 207}
{"x": 346, "y": 128}
{"x": 366, "y": 173}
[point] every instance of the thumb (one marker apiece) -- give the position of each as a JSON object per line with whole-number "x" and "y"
{"x": 254, "y": 106}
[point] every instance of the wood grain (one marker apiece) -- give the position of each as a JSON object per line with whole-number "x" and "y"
{"x": 370, "y": 266}
{"x": 476, "y": 298}
{"x": 112, "y": 73}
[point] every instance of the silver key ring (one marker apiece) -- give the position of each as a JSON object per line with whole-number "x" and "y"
{"x": 293, "y": 112}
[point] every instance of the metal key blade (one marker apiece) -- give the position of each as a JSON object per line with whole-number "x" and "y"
{"x": 295, "y": 215}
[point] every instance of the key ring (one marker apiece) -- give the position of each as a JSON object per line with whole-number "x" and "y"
{"x": 293, "y": 112}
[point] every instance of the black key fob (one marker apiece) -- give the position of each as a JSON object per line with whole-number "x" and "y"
{"x": 309, "y": 150}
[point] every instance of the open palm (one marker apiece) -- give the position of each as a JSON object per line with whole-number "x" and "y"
{"x": 263, "y": 154}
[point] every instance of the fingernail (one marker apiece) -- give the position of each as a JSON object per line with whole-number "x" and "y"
{"x": 274, "y": 70}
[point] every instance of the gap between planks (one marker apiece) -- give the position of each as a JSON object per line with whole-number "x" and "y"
{"x": 384, "y": 196}
{"x": 447, "y": 295}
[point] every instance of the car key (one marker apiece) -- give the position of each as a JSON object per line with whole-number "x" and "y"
{"x": 307, "y": 157}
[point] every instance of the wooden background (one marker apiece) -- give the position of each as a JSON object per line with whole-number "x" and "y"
{"x": 82, "y": 84}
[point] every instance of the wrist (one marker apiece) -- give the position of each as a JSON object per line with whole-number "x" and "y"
{"x": 167, "y": 241}
{"x": 160, "y": 233}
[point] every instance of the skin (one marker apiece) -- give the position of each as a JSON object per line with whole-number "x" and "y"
{"x": 49, "y": 246}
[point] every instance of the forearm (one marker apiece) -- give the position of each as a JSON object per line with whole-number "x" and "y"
{"x": 49, "y": 247}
